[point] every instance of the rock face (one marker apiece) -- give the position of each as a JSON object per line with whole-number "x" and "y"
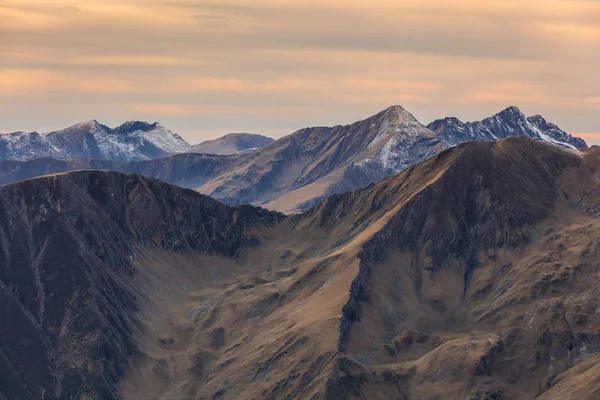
{"x": 132, "y": 141}
{"x": 234, "y": 143}
{"x": 470, "y": 275}
{"x": 507, "y": 123}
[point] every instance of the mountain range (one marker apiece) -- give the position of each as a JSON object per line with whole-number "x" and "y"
{"x": 297, "y": 171}
{"x": 132, "y": 141}
{"x": 472, "y": 275}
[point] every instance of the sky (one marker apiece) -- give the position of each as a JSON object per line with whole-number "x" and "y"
{"x": 206, "y": 68}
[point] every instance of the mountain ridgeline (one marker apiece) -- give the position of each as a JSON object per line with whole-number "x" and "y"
{"x": 510, "y": 122}
{"x": 132, "y": 141}
{"x": 290, "y": 175}
{"x": 234, "y": 143}
{"x": 469, "y": 275}
{"x": 68, "y": 273}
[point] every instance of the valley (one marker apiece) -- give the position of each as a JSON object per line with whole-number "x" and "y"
{"x": 469, "y": 275}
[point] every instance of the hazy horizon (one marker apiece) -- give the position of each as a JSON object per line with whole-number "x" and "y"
{"x": 205, "y": 68}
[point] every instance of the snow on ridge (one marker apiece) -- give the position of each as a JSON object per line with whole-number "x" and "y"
{"x": 91, "y": 139}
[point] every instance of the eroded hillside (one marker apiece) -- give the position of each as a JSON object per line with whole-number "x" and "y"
{"x": 470, "y": 275}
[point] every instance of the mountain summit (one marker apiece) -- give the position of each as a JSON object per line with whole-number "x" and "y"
{"x": 132, "y": 141}
{"x": 507, "y": 123}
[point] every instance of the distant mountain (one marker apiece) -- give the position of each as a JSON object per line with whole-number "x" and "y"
{"x": 132, "y": 141}
{"x": 234, "y": 143}
{"x": 186, "y": 170}
{"x": 297, "y": 171}
{"x": 507, "y": 123}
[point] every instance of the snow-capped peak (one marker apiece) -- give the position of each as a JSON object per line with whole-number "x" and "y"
{"x": 132, "y": 126}
{"x": 508, "y": 122}
{"x": 91, "y": 126}
{"x": 133, "y": 140}
{"x": 511, "y": 112}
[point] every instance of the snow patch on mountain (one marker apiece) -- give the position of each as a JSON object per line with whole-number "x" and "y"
{"x": 132, "y": 141}
{"x": 509, "y": 122}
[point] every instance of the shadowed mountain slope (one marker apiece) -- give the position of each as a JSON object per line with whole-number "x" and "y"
{"x": 185, "y": 170}
{"x": 470, "y": 275}
{"x": 67, "y": 269}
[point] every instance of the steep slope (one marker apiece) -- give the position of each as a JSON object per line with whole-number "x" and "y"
{"x": 67, "y": 270}
{"x": 132, "y": 141}
{"x": 298, "y": 170}
{"x": 234, "y": 143}
{"x": 507, "y": 123}
{"x": 478, "y": 283}
{"x": 470, "y": 275}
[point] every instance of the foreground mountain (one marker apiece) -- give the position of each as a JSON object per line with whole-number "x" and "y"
{"x": 509, "y": 122}
{"x": 234, "y": 143}
{"x": 470, "y": 275}
{"x": 132, "y": 141}
{"x": 71, "y": 287}
{"x": 296, "y": 172}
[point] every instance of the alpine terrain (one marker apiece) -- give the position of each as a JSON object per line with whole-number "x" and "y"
{"x": 134, "y": 140}
{"x": 298, "y": 171}
{"x": 470, "y": 275}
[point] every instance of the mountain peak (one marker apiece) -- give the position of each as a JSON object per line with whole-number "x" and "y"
{"x": 399, "y": 115}
{"x": 90, "y": 126}
{"x": 85, "y": 124}
{"x": 509, "y": 122}
{"x": 133, "y": 126}
{"x": 511, "y": 112}
{"x": 395, "y": 108}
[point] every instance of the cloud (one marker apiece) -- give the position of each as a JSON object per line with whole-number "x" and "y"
{"x": 299, "y": 62}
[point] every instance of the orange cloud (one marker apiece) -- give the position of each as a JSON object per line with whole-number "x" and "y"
{"x": 36, "y": 83}
{"x": 169, "y": 109}
{"x": 238, "y": 59}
